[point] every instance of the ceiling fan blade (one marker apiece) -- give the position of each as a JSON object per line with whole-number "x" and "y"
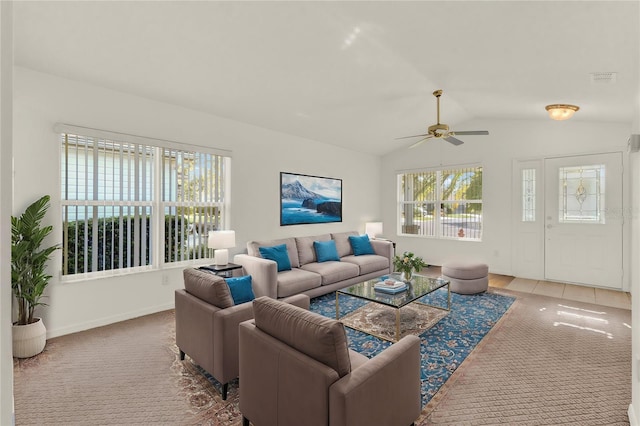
{"x": 414, "y": 136}
{"x": 472, "y": 132}
{"x": 453, "y": 140}
{"x": 418, "y": 143}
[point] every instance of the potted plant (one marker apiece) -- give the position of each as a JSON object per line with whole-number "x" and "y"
{"x": 28, "y": 276}
{"x": 407, "y": 264}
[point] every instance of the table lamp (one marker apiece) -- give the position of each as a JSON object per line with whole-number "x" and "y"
{"x": 373, "y": 229}
{"x": 220, "y": 241}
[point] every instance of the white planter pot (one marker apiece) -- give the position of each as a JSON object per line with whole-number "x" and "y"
{"x": 29, "y": 340}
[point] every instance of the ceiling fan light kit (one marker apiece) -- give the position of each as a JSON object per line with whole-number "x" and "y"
{"x": 441, "y": 130}
{"x": 561, "y": 111}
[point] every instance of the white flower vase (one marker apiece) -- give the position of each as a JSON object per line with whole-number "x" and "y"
{"x": 29, "y": 340}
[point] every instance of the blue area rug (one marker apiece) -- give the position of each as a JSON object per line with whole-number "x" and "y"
{"x": 445, "y": 345}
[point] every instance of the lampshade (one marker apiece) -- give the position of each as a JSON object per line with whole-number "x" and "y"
{"x": 373, "y": 229}
{"x": 561, "y": 111}
{"x": 221, "y": 241}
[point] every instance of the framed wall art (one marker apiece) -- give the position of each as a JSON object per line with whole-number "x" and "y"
{"x": 308, "y": 199}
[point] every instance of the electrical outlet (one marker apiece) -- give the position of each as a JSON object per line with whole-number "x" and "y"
{"x": 165, "y": 279}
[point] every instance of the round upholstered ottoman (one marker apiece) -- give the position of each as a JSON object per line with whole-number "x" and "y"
{"x": 466, "y": 277}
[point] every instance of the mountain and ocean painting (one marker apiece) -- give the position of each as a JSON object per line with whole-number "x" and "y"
{"x": 309, "y": 199}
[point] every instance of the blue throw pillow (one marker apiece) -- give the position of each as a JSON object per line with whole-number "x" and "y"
{"x": 278, "y": 254}
{"x": 361, "y": 245}
{"x": 240, "y": 288}
{"x": 326, "y": 250}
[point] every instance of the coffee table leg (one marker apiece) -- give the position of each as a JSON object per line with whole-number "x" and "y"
{"x": 337, "y": 307}
{"x": 449, "y": 297}
{"x": 397, "y": 324}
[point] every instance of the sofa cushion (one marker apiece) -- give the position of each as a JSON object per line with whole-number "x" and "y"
{"x": 292, "y": 250}
{"x": 368, "y": 263}
{"x": 306, "y": 253}
{"x": 240, "y": 288}
{"x": 361, "y": 245}
{"x": 332, "y": 272}
{"x": 320, "y": 338}
{"x": 296, "y": 281}
{"x": 342, "y": 242}
{"x": 278, "y": 254}
{"x": 208, "y": 287}
{"x": 326, "y": 251}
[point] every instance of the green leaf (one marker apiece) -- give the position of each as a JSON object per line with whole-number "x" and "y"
{"x": 28, "y": 260}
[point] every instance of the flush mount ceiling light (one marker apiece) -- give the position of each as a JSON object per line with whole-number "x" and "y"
{"x": 561, "y": 111}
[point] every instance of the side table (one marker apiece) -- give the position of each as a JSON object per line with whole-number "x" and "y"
{"x": 224, "y": 271}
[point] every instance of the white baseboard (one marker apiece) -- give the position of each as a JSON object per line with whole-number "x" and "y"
{"x": 107, "y": 320}
{"x": 633, "y": 421}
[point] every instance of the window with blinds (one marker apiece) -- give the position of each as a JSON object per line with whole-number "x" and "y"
{"x": 444, "y": 203}
{"x": 192, "y": 201}
{"x": 128, "y": 205}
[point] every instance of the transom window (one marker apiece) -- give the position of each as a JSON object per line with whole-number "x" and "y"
{"x": 443, "y": 203}
{"x": 135, "y": 205}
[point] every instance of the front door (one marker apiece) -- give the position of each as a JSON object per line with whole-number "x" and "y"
{"x": 583, "y": 220}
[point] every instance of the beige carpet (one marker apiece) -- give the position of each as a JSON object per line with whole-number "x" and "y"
{"x": 117, "y": 374}
{"x": 549, "y": 361}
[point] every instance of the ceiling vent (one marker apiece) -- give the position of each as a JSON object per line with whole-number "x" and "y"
{"x": 603, "y": 77}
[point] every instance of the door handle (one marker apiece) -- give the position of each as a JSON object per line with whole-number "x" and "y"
{"x": 549, "y": 226}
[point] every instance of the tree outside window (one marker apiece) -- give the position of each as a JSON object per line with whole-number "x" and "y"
{"x": 444, "y": 203}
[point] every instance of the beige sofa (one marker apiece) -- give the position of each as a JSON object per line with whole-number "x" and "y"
{"x": 296, "y": 369}
{"x": 307, "y": 276}
{"x": 207, "y": 324}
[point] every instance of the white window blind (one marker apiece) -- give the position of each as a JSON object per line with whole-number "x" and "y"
{"x": 192, "y": 201}
{"x": 127, "y": 204}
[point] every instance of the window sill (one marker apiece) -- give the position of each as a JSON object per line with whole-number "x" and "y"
{"x": 132, "y": 271}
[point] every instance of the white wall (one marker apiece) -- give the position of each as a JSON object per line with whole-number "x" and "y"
{"x": 6, "y": 108}
{"x": 507, "y": 140}
{"x": 259, "y": 156}
{"x": 634, "y": 160}
{"x": 634, "y": 407}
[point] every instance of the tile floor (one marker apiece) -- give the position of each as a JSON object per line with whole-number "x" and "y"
{"x": 598, "y": 296}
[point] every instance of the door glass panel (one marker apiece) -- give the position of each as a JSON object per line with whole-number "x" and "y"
{"x": 529, "y": 195}
{"x": 581, "y": 194}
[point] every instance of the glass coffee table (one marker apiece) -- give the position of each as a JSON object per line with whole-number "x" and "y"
{"x": 418, "y": 287}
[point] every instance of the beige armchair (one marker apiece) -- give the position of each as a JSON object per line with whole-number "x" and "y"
{"x": 296, "y": 369}
{"x": 207, "y": 324}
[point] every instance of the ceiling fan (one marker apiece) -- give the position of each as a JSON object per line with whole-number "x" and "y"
{"x": 440, "y": 130}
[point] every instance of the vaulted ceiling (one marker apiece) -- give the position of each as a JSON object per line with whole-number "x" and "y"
{"x": 353, "y": 74}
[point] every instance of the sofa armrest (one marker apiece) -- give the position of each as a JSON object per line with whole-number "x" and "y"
{"x": 264, "y": 274}
{"x": 194, "y": 328}
{"x": 390, "y": 379}
{"x": 300, "y": 300}
{"x": 225, "y": 340}
{"x": 383, "y": 248}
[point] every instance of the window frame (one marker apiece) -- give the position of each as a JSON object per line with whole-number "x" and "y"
{"x": 156, "y": 203}
{"x": 436, "y": 200}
